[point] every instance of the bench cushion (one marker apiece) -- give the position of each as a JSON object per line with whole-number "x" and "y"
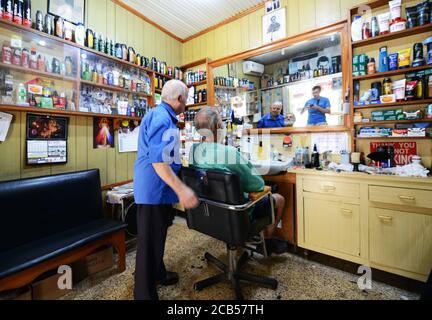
{"x": 31, "y": 254}
{"x": 32, "y": 209}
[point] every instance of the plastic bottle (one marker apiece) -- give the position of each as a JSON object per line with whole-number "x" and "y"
{"x": 21, "y": 94}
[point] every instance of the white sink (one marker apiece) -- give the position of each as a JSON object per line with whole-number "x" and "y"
{"x": 269, "y": 168}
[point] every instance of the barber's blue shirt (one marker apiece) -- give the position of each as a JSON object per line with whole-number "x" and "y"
{"x": 268, "y": 122}
{"x": 159, "y": 142}
{"x": 315, "y": 116}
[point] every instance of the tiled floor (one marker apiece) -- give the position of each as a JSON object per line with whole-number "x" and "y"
{"x": 298, "y": 278}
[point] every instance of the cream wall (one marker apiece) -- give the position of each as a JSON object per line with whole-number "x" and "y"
{"x": 246, "y": 32}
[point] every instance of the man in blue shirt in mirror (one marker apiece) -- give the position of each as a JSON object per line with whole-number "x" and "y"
{"x": 274, "y": 119}
{"x": 317, "y": 107}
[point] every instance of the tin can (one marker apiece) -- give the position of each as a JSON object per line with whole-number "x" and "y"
{"x": 49, "y": 24}
{"x": 7, "y": 55}
{"x": 39, "y": 21}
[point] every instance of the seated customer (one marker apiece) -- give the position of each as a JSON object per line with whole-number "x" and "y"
{"x": 212, "y": 154}
{"x": 274, "y": 119}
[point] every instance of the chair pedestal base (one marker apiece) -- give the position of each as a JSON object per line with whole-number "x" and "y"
{"x": 232, "y": 273}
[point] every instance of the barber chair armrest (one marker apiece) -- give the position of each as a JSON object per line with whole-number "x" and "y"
{"x": 254, "y": 196}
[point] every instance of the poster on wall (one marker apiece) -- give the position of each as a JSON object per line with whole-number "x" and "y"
{"x": 403, "y": 151}
{"x": 128, "y": 136}
{"x": 103, "y": 133}
{"x": 46, "y": 139}
{"x": 274, "y": 26}
{"x": 70, "y": 10}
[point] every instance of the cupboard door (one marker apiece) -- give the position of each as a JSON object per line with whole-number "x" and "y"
{"x": 401, "y": 240}
{"x": 332, "y": 225}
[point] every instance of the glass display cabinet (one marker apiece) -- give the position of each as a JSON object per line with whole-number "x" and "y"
{"x": 45, "y": 74}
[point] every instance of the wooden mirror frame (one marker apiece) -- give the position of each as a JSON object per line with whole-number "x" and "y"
{"x": 341, "y": 27}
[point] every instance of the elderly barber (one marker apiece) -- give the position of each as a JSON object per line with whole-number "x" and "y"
{"x": 274, "y": 119}
{"x": 157, "y": 187}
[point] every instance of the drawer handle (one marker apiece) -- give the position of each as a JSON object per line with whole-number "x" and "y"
{"x": 328, "y": 188}
{"x": 410, "y": 198}
{"x": 385, "y": 218}
{"x": 347, "y": 211}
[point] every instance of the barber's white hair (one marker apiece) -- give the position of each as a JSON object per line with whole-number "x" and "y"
{"x": 173, "y": 89}
{"x": 277, "y": 104}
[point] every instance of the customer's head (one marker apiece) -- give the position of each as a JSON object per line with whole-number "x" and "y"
{"x": 175, "y": 93}
{"x": 316, "y": 91}
{"x": 207, "y": 123}
{"x": 276, "y": 109}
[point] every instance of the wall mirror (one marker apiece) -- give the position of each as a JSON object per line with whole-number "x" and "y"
{"x": 296, "y": 86}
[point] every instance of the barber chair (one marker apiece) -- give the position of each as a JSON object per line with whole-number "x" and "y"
{"x": 223, "y": 215}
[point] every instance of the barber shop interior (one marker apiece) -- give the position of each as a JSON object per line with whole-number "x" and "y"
{"x": 216, "y": 150}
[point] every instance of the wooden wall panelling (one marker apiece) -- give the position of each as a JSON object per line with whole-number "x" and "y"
{"x": 121, "y": 164}
{"x": 82, "y": 142}
{"x": 71, "y": 149}
{"x": 10, "y": 150}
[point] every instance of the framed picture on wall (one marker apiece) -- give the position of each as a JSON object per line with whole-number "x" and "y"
{"x": 70, "y": 10}
{"x": 274, "y": 26}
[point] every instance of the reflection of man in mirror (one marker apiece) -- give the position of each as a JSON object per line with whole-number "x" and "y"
{"x": 274, "y": 119}
{"x": 273, "y": 27}
{"x": 317, "y": 107}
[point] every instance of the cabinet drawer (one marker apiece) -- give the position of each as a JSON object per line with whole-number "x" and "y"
{"x": 401, "y": 240}
{"x": 336, "y": 188}
{"x": 401, "y": 196}
{"x": 332, "y": 225}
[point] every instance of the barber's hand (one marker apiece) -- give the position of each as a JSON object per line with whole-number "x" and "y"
{"x": 314, "y": 107}
{"x": 188, "y": 198}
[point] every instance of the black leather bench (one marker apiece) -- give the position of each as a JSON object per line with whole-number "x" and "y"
{"x": 47, "y": 222}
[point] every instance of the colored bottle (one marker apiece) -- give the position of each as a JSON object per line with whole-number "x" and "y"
{"x": 8, "y": 10}
{"x": 27, "y": 14}
{"x": 18, "y": 11}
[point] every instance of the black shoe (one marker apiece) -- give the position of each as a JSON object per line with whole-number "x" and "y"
{"x": 276, "y": 246}
{"x": 171, "y": 279}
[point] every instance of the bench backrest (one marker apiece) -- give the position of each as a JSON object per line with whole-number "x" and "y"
{"x": 31, "y": 209}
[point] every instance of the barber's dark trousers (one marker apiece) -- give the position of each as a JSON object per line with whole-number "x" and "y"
{"x": 152, "y": 224}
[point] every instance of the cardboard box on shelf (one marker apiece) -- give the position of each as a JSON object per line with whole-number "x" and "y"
{"x": 48, "y": 288}
{"x": 92, "y": 264}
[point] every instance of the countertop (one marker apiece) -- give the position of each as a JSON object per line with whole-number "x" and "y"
{"x": 361, "y": 175}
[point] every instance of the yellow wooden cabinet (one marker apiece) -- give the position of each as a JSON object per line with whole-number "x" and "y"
{"x": 380, "y": 221}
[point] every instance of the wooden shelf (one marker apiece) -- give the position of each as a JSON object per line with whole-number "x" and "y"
{"x": 196, "y": 105}
{"x": 391, "y": 138}
{"x": 38, "y": 73}
{"x": 315, "y": 129}
{"x": 372, "y": 123}
{"x": 230, "y": 88}
{"x": 163, "y": 75}
{"x": 63, "y": 112}
{"x": 396, "y": 104}
{"x": 393, "y": 36}
{"x": 391, "y": 73}
{"x": 113, "y": 88}
{"x": 197, "y": 84}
